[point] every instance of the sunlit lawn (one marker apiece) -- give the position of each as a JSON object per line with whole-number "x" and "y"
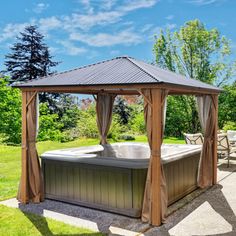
{"x": 15, "y": 222}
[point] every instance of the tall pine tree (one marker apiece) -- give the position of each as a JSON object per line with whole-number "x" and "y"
{"x": 29, "y": 57}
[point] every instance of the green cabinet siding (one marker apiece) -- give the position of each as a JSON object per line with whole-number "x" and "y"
{"x": 114, "y": 189}
{"x": 106, "y": 188}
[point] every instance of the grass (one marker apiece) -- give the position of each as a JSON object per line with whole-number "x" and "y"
{"x": 14, "y": 221}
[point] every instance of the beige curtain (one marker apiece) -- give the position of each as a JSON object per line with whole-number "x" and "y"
{"x": 146, "y": 209}
{"x": 207, "y": 114}
{"x": 104, "y": 105}
{"x": 31, "y": 184}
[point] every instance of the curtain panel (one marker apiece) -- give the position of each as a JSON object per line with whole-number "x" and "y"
{"x": 31, "y": 183}
{"x": 207, "y": 115}
{"x": 146, "y": 208}
{"x": 104, "y": 106}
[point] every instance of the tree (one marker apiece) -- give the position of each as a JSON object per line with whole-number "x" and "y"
{"x": 10, "y": 112}
{"x": 198, "y": 53}
{"x": 227, "y": 108}
{"x": 122, "y": 110}
{"x": 29, "y": 57}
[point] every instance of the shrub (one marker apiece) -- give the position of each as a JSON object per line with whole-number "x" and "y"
{"x": 87, "y": 126}
{"x": 49, "y": 126}
{"x": 138, "y": 124}
{"x": 230, "y": 125}
{"x": 127, "y": 137}
{"x": 10, "y": 113}
{"x": 116, "y": 128}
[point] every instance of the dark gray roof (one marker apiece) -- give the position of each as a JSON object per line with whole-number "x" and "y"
{"x": 117, "y": 71}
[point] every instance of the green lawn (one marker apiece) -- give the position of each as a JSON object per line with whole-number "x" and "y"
{"x": 15, "y": 222}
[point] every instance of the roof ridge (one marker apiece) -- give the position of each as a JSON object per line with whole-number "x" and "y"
{"x": 81, "y": 67}
{"x": 131, "y": 60}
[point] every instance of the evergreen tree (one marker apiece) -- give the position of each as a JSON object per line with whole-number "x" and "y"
{"x": 122, "y": 110}
{"x": 29, "y": 57}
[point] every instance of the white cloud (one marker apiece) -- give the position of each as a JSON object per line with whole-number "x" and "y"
{"x": 169, "y": 17}
{"x": 137, "y": 4}
{"x": 170, "y": 26}
{"x": 146, "y": 28}
{"x": 79, "y": 26}
{"x": 71, "y": 49}
{"x": 11, "y": 31}
{"x": 125, "y": 37}
{"x": 50, "y": 23}
{"x": 86, "y": 3}
{"x": 205, "y": 2}
{"x": 108, "y": 4}
{"x": 89, "y": 20}
{"x": 40, "y": 7}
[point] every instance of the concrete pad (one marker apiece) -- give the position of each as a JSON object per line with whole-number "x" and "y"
{"x": 120, "y": 231}
{"x": 109, "y": 225}
{"x": 202, "y": 221}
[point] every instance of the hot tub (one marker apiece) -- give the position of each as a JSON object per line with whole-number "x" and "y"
{"x": 112, "y": 177}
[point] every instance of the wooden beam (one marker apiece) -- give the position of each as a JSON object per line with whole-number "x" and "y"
{"x": 122, "y": 88}
{"x": 31, "y": 98}
{"x": 23, "y": 184}
{"x": 156, "y": 158}
{"x": 215, "y": 100}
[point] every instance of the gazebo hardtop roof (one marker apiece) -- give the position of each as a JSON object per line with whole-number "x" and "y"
{"x": 119, "y": 73}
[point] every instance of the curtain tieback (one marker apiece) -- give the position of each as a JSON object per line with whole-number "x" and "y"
{"x": 31, "y": 141}
{"x": 209, "y": 140}
{"x": 156, "y": 153}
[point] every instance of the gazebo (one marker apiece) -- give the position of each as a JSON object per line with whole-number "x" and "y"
{"x": 123, "y": 76}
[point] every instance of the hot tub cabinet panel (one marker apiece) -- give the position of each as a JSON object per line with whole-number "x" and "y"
{"x": 112, "y": 189}
{"x": 114, "y": 184}
{"x": 181, "y": 177}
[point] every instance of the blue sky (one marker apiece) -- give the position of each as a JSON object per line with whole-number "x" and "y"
{"x": 79, "y": 32}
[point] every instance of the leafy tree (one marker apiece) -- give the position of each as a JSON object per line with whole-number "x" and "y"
{"x": 10, "y": 112}
{"x": 198, "y": 53}
{"x": 29, "y": 57}
{"x": 227, "y": 105}
{"x": 49, "y": 126}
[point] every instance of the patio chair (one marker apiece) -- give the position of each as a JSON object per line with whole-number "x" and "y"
{"x": 224, "y": 147}
{"x": 193, "y": 139}
{"x": 232, "y": 137}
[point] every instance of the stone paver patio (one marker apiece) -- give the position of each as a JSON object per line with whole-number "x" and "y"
{"x": 211, "y": 212}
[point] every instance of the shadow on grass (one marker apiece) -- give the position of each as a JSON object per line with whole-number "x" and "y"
{"x": 41, "y": 225}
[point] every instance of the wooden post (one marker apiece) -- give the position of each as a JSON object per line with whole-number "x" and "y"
{"x": 156, "y": 158}
{"x": 23, "y": 185}
{"x": 215, "y": 100}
